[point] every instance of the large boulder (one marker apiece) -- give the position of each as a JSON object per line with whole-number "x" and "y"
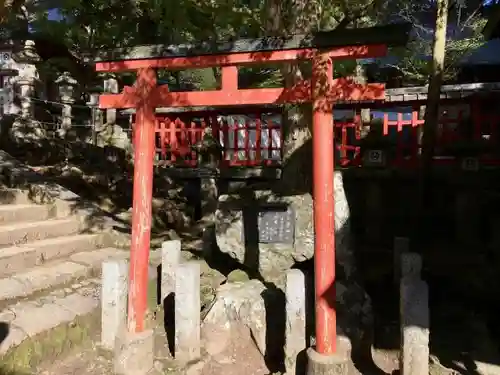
{"x": 262, "y": 311}
{"x": 236, "y": 222}
{"x": 236, "y": 303}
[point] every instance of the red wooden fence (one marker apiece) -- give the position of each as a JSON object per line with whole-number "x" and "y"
{"x": 250, "y": 139}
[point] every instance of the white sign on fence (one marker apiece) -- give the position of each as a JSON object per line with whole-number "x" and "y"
{"x": 267, "y": 136}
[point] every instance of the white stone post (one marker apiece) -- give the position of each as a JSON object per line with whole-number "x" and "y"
{"x": 295, "y": 331}
{"x": 170, "y": 259}
{"x": 414, "y": 317}
{"x": 113, "y": 300}
{"x": 187, "y": 312}
{"x": 401, "y": 246}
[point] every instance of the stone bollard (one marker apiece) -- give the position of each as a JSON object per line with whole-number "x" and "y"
{"x": 113, "y": 300}
{"x": 321, "y": 364}
{"x": 411, "y": 266}
{"x": 295, "y": 331}
{"x": 414, "y": 317}
{"x": 187, "y": 312}
{"x": 170, "y": 259}
{"x": 401, "y": 246}
{"x": 133, "y": 351}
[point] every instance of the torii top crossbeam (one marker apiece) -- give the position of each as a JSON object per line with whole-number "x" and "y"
{"x": 390, "y": 35}
{"x": 347, "y": 44}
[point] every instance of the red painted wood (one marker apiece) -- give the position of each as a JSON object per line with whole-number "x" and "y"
{"x": 246, "y": 142}
{"x": 415, "y": 142}
{"x": 270, "y": 128}
{"x": 174, "y": 147}
{"x": 193, "y": 139}
{"x": 323, "y": 206}
{"x": 142, "y": 197}
{"x": 323, "y": 91}
{"x": 244, "y": 58}
{"x": 407, "y": 150}
{"x": 258, "y": 135}
{"x": 229, "y": 78}
{"x": 342, "y": 89}
{"x": 161, "y": 128}
{"x": 179, "y": 145}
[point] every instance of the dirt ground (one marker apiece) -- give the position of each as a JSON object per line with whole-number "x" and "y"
{"x": 242, "y": 358}
{"x": 83, "y": 361}
{"x": 461, "y": 322}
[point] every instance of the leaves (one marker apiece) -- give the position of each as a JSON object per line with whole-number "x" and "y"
{"x": 90, "y": 25}
{"x": 464, "y": 34}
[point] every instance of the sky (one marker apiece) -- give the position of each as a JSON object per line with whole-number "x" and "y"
{"x": 54, "y": 15}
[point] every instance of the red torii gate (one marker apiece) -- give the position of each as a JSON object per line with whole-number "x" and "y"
{"x": 322, "y": 90}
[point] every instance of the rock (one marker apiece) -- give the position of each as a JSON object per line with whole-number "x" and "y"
{"x": 239, "y": 303}
{"x": 210, "y": 280}
{"x": 260, "y": 308}
{"x": 273, "y": 259}
{"x": 113, "y": 135}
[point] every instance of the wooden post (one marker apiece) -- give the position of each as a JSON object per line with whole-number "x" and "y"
{"x": 142, "y": 198}
{"x": 324, "y": 225}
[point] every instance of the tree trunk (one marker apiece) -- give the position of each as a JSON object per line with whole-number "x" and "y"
{"x": 302, "y": 17}
{"x": 294, "y": 191}
{"x": 431, "y": 117}
{"x": 297, "y": 143}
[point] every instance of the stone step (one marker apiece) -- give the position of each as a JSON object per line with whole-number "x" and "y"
{"x": 29, "y": 318}
{"x": 55, "y": 273}
{"x": 68, "y": 313}
{"x": 10, "y": 196}
{"x": 18, "y": 258}
{"x": 15, "y": 213}
{"x": 21, "y": 233}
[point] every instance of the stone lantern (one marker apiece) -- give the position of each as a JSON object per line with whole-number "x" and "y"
{"x": 67, "y": 87}
{"x": 111, "y": 87}
{"x": 96, "y": 120}
{"x": 26, "y": 58}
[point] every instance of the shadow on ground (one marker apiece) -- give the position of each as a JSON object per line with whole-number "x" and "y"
{"x": 103, "y": 176}
{"x": 462, "y": 277}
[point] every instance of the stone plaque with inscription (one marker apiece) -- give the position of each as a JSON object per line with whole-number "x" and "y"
{"x": 276, "y": 225}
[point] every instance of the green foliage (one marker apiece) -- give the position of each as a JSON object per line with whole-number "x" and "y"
{"x": 91, "y": 25}
{"x": 464, "y": 35}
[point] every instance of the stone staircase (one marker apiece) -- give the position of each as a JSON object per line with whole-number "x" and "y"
{"x": 50, "y": 261}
